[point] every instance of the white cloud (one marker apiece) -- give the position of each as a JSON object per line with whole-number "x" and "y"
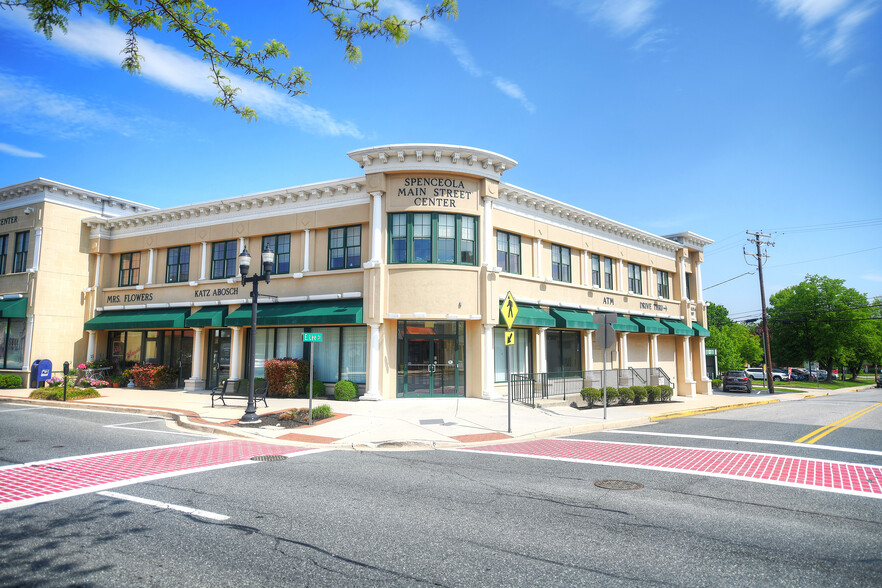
{"x": 830, "y": 27}
{"x": 438, "y": 33}
{"x": 92, "y": 39}
{"x": 872, "y": 277}
{"x": 624, "y": 17}
{"x": 17, "y": 152}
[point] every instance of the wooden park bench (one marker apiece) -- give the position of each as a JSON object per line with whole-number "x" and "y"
{"x": 239, "y": 389}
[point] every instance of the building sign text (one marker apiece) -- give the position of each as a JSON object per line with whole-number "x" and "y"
{"x": 429, "y": 191}
{"x": 140, "y": 297}
{"x": 653, "y": 306}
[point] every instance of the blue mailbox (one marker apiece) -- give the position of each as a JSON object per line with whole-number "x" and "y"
{"x": 41, "y": 370}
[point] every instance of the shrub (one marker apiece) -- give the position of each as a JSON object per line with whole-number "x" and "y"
{"x": 153, "y": 376}
{"x": 626, "y": 395}
{"x": 345, "y": 390}
{"x": 10, "y": 381}
{"x": 286, "y": 378}
{"x": 592, "y": 396}
{"x": 318, "y": 389}
{"x": 717, "y": 383}
{"x": 652, "y": 393}
{"x": 57, "y": 393}
{"x": 639, "y": 394}
{"x": 301, "y": 415}
{"x": 666, "y": 393}
{"x": 612, "y": 394}
{"x": 322, "y": 411}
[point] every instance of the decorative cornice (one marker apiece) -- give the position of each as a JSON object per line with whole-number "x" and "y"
{"x": 690, "y": 239}
{"x": 581, "y": 220}
{"x": 43, "y": 190}
{"x": 431, "y": 157}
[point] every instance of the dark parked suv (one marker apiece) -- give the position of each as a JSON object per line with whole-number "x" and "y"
{"x": 737, "y": 380}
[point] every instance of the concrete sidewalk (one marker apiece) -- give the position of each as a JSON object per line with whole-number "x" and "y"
{"x": 410, "y": 422}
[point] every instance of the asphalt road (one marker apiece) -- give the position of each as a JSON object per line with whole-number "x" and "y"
{"x": 452, "y": 518}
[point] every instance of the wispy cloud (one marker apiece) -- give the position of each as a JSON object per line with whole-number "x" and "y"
{"x": 622, "y": 18}
{"x": 872, "y": 277}
{"x": 438, "y": 33}
{"x": 830, "y": 27}
{"x": 94, "y": 40}
{"x": 17, "y": 152}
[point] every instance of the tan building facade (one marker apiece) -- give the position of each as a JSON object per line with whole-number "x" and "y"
{"x": 403, "y": 269}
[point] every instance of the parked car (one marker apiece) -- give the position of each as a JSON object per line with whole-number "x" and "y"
{"x": 737, "y": 380}
{"x": 802, "y": 375}
{"x": 784, "y": 376}
{"x": 755, "y": 373}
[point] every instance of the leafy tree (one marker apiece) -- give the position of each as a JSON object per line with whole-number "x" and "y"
{"x": 727, "y": 355}
{"x": 197, "y": 24}
{"x": 747, "y": 343}
{"x": 819, "y": 318}
{"x": 717, "y": 315}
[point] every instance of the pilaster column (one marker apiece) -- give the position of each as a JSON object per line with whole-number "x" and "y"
{"x": 588, "y": 353}
{"x": 621, "y": 278}
{"x": 236, "y": 353}
{"x": 306, "y": 250}
{"x": 586, "y": 271}
{"x": 623, "y": 351}
{"x": 543, "y": 356}
{"x": 38, "y": 242}
{"x": 539, "y": 273}
{"x": 489, "y": 367}
{"x": 373, "y": 388}
{"x": 150, "y": 266}
{"x": 242, "y": 248}
{"x": 90, "y": 350}
{"x": 699, "y": 296}
{"x": 653, "y": 351}
{"x": 98, "y": 257}
{"x": 195, "y": 381}
{"x": 489, "y": 243}
{"x": 376, "y": 225}
{"x": 681, "y": 270}
{"x": 204, "y": 260}
{"x": 687, "y": 359}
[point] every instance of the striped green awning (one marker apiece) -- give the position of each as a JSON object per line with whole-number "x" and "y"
{"x": 700, "y": 331}
{"x": 648, "y": 325}
{"x": 623, "y": 324}
{"x": 330, "y": 312}
{"x": 568, "y": 318}
{"x": 208, "y": 316}
{"x": 14, "y": 307}
{"x": 530, "y": 316}
{"x": 133, "y": 320}
{"x": 678, "y": 328}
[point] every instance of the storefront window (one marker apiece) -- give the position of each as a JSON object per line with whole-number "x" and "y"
{"x": 342, "y": 353}
{"x": 564, "y": 355}
{"x": 133, "y": 346}
{"x": 15, "y": 343}
{"x": 521, "y": 357}
{"x": 353, "y": 355}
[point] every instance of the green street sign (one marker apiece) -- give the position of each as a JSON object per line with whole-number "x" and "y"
{"x": 312, "y": 337}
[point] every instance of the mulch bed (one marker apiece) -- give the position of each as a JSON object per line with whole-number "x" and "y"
{"x": 273, "y": 420}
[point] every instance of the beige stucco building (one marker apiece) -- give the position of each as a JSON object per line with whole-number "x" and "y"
{"x": 403, "y": 269}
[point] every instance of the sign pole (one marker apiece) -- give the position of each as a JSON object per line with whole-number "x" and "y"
{"x": 311, "y": 360}
{"x": 509, "y": 386}
{"x": 509, "y": 313}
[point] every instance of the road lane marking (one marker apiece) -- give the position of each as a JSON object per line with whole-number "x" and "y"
{"x": 818, "y": 434}
{"x": 125, "y": 427}
{"x": 744, "y": 440}
{"x": 164, "y": 505}
{"x": 781, "y": 470}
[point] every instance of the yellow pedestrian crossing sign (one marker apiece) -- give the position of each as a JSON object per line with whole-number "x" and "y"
{"x": 509, "y": 337}
{"x": 509, "y": 312}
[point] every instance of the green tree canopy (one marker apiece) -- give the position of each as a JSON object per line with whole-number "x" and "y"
{"x": 736, "y": 344}
{"x": 717, "y": 315}
{"x": 198, "y": 25}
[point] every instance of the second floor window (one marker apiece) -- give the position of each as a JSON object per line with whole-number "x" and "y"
{"x": 508, "y": 252}
{"x": 424, "y": 237}
{"x": 560, "y": 263}
{"x": 20, "y": 258}
{"x": 129, "y": 269}
{"x": 177, "y": 266}
{"x": 664, "y": 288}
{"x": 4, "y": 243}
{"x": 224, "y": 259}
{"x": 344, "y": 247}
{"x": 635, "y": 280}
{"x": 281, "y": 246}
{"x": 608, "y": 281}
{"x": 688, "y": 286}
{"x": 595, "y": 270}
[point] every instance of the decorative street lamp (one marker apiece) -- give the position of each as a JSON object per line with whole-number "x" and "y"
{"x": 267, "y": 257}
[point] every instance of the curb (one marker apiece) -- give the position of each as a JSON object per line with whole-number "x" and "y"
{"x": 684, "y": 413}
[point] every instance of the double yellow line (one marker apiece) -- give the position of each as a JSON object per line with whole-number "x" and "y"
{"x": 818, "y": 434}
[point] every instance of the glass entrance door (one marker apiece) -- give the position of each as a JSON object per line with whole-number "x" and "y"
{"x": 431, "y": 358}
{"x": 219, "y": 357}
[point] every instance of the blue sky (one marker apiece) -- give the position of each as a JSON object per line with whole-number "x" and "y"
{"x": 711, "y": 117}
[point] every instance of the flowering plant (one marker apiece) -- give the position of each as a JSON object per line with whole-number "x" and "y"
{"x": 53, "y": 382}
{"x": 82, "y": 366}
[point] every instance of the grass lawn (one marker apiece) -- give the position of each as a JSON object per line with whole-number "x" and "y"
{"x": 834, "y": 385}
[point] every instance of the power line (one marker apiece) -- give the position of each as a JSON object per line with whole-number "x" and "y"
{"x": 729, "y": 280}
{"x": 830, "y": 257}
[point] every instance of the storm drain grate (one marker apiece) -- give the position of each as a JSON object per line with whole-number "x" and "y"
{"x": 269, "y": 458}
{"x": 618, "y": 485}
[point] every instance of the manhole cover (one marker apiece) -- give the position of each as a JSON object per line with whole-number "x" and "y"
{"x": 618, "y": 485}
{"x": 269, "y": 458}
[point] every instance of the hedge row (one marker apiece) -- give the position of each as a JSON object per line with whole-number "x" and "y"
{"x": 631, "y": 394}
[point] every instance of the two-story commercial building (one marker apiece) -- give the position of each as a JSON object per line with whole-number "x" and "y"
{"x": 402, "y": 269}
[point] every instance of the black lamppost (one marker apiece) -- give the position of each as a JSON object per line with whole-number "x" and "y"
{"x": 267, "y": 257}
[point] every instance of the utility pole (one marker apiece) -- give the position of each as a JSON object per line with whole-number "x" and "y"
{"x": 760, "y": 255}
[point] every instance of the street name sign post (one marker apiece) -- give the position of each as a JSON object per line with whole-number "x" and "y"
{"x": 312, "y": 339}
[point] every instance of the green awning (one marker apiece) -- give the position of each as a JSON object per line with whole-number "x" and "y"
{"x": 648, "y": 325}
{"x": 14, "y": 307}
{"x": 623, "y": 324}
{"x": 567, "y": 318}
{"x": 678, "y": 328}
{"x": 700, "y": 331}
{"x": 208, "y": 316}
{"x": 530, "y": 316}
{"x": 134, "y": 320}
{"x": 325, "y": 312}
